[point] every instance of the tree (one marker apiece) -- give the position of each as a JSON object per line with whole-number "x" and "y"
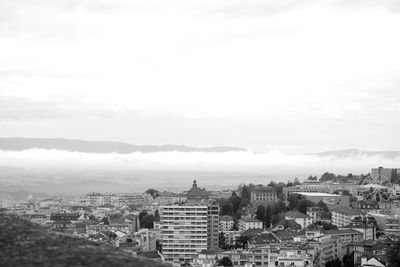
{"x": 334, "y": 263}
{"x": 296, "y": 181}
{"x": 326, "y": 214}
{"x": 154, "y": 193}
{"x": 235, "y": 200}
{"x": 268, "y": 217}
{"x": 226, "y": 208}
{"x": 105, "y": 220}
{"x": 278, "y": 207}
{"x": 327, "y": 226}
{"x": 348, "y": 260}
{"x": 158, "y": 246}
{"x": 141, "y": 215}
{"x": 241, "y": 241}
{"x": 148, "y": 221}
{"x": 312, "y": 178}
{"x": 393, "y": 255}
{"x": 304, "y": 204}
{"x": 245, "y": 194}
{"x": 327, "y": 177}
{"x": 157, "y": 215}
{"x": 115, "y": 216}
{"x": 294, "y": 200}
{"x": 221, "y": 240}
{"x": 225, "y": 261}
{"x": 261, "y": 213}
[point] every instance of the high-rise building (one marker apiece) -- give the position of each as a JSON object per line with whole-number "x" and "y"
{"x": 212, "y": 227}
{"x": 187, "y": 230}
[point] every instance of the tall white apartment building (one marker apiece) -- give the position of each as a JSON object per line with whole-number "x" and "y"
{"x": 187, "y": 230}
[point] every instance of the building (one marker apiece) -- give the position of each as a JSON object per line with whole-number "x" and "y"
{"x": 212, "y": 227}
{"x": 366, "y": 205}
{"x": 326, "y": 187}
{"x": 367, "y": 230}
{"x": 342, "y": 216}
{"x": 314, "y": 213}
{"x": 379, "y": 172}
{"x": 329, "y": 199}
{"x": 249, "y": 223}
{"x": 263, "y": 256}
{"x": 300, "y": 218}
{"x": 197, "y": 195}
{"x": 187, "y": 230}
{"x": 367, "y": 249}
{"x": 147, "y": 239}
{"x": 226, "y": 223}
{"x": 372, "y": 262}
{"x": 293, "y": 259}
{"x": 305, "y": 188}
{"x": 341, "y": 239}
{"x": 231, "y": 236}
{"x": 263, "y": 195}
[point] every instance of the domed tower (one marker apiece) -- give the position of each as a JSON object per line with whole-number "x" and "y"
{"x": 194, "y": 184}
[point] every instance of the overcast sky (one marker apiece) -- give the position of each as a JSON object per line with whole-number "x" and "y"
{"x": 294, "y": 76}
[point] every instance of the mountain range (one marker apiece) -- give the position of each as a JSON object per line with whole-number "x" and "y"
{"x": 73, "y": 145}
{"x": 345, "y": 153}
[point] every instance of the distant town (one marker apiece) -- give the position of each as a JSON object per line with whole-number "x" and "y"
{"x": 327, "y": 221}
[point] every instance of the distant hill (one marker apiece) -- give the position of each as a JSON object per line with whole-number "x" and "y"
{"x": 357, "y": 152}
{"x": 19, "y": 143}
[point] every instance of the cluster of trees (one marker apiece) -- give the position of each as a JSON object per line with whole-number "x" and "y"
{"x": 394, "y": 255}
{"x": 265, "y": 215}
{"x": 334, "y": 263}
{"x": 300, "y": 203}
{"x": 153, "y": 192}
{"x": 235, "y": 203}
{"x": 225, "y": 261}
{"x": 147, "y": 220}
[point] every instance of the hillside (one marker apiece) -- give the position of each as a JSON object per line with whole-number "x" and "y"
{"x": 25, "y": 244}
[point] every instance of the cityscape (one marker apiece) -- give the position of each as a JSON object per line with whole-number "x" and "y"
{"x": 332, "y": 220}
{"x": 199, "y": 133}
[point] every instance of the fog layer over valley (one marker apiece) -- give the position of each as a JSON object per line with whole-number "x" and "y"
{"x": 58, "y": 171}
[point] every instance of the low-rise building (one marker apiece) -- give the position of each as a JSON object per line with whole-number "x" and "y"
{"x": 225, "y": 223}
{"x": 342, "y": 216}
{"x": 300, "y": 218}
{"x": 263, "y": 195}
{"x": 249, "y": 223}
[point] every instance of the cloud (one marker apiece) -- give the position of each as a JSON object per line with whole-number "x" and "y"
{"x": 272, "y": 163}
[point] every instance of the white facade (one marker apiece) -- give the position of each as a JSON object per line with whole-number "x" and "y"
{"x": 247, "y": 224}
{"x": 225, "y": 223}
{"x": 184, "y": 232}
{"x": 343, "y": 218}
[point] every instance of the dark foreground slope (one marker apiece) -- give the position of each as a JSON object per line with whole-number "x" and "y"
{"x": 25, "y": 244}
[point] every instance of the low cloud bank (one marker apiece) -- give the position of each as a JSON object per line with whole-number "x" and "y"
{"x": 271, "y": 163}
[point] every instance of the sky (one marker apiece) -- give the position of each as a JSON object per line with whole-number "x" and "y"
{"x": 289, "y": 76}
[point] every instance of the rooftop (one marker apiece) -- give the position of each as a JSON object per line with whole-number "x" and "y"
{"x": 296, "y": 214}
{"x": 348, "y": 211}
{"x": 312, "y": 194}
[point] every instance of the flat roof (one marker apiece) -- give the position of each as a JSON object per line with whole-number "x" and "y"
{"x": 314, "y": 194}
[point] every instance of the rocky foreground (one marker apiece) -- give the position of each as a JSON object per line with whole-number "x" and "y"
{"x": 23, "y": 243}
